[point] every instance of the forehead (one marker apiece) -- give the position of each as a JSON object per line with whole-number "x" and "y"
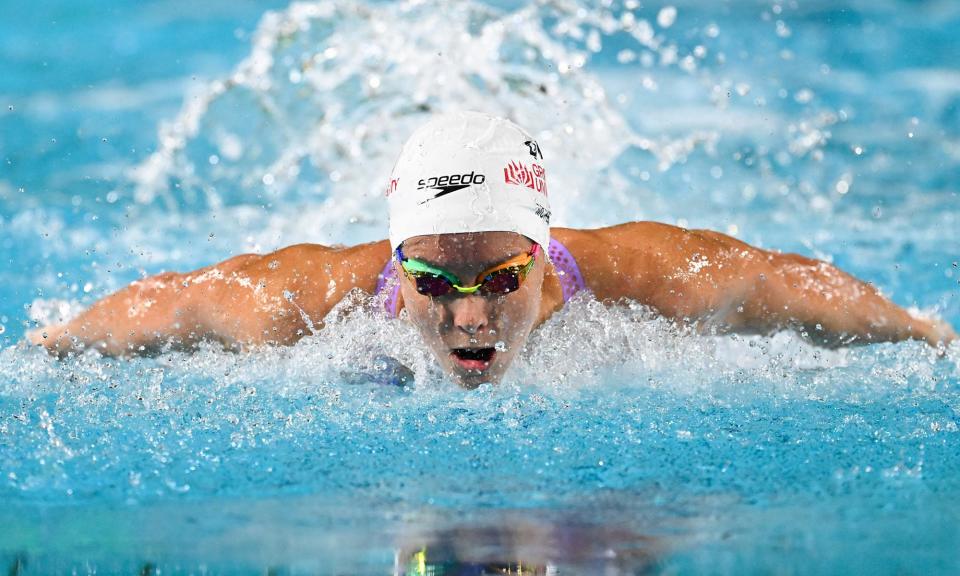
{"x": 480, "y": 247}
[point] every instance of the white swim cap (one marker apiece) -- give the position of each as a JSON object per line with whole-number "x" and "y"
{"x": 469, "y": 172}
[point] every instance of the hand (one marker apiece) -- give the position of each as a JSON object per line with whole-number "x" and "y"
{"x": 50, "y": 337}
{"x": 939, "y": 334}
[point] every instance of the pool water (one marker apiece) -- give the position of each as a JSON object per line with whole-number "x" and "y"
{"x": 138, "y": 138}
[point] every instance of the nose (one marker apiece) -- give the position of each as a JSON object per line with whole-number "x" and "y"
{"x": 470, "y": 313}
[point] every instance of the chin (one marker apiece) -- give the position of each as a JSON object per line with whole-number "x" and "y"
{"x": 471, "y": 379}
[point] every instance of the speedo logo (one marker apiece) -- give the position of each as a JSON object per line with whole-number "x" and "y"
{"x": 450, "y": 183}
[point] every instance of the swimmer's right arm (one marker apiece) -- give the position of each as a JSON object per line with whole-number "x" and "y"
{"x": 246, "y": 301}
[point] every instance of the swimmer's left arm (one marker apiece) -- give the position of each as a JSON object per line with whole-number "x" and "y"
{"x": 764, "y": 291}
{"x": 828, "y": 306}
{"x": 719, "y": 282}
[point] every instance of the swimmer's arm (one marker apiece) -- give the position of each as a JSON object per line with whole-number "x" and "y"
{"x": 168, "y": 310}
{"x": 717, "y": 282}
{"x": 733, "y": 286}
{"x": 828, "y": 306}
{"x": 248, "y": 300}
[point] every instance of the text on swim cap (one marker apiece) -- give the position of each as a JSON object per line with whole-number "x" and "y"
{"x": 450, "y": 183}
{"x": 518, "y": 173}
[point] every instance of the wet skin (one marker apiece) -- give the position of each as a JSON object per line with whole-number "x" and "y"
{"x": 699, "y": 278}
{"x": 497, "y": 325}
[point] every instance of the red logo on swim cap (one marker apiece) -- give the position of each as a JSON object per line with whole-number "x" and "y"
{"x": 391, "y": 187}
{"x": 518, "y": 173}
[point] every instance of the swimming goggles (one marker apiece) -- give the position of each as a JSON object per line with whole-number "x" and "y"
{"x": 501, "y": 279}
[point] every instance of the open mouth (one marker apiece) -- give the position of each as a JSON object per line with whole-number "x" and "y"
{"x": 478, "y": 359}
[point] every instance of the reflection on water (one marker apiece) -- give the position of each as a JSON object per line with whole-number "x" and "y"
{"x": 279, "y": 537}
{"x": 525, "y": 543}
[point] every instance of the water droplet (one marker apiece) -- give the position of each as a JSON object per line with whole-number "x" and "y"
{"x": 2, "y": 328}
{"x": 273, "y": 264}
{"x": 783, "y": 30}
{"x": 667, "y": 16}
{"x": 500, "y": 346}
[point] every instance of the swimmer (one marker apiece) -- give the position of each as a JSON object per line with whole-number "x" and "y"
{"x": 473, "y": 260}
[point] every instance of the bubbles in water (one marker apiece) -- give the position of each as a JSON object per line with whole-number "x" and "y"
{"x": 803, "y": 96}
{"x": 666, "y": 16}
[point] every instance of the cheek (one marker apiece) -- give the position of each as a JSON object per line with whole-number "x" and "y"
{"x": 519, "y": 314}
{"x": 423, "y": 311}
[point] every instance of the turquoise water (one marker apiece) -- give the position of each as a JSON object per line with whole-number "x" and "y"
{"x": 167, "y": 136}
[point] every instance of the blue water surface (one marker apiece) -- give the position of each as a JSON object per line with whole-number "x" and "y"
{"x": 142, "y": 137}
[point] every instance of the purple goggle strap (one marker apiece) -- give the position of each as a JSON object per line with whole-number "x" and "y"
{"x": 571, "y": 280}
{"x": 389, "y": 282}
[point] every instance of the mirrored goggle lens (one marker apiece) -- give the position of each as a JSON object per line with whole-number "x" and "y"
{"x": 502, "y": 282}
{"x": 431, "y": 285}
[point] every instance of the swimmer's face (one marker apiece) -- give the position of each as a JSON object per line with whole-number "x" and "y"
{"x": 475, "y": 336}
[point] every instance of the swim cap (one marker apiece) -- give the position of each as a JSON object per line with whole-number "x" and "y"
{"x": 469, "y": 172}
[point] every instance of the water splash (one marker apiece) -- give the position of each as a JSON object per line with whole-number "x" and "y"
{"x": 310, "y": 417}
{"x": 303, "y": 137}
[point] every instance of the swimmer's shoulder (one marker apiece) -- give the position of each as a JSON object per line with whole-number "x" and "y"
{"x": 626, "y": 260}
{"x": 600, "y": 248}
{"x": 280, "y": 296}
{"x": 631, "y": 235}
{"x": 650, "y": 241}
{"x": 309, "y": 265}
